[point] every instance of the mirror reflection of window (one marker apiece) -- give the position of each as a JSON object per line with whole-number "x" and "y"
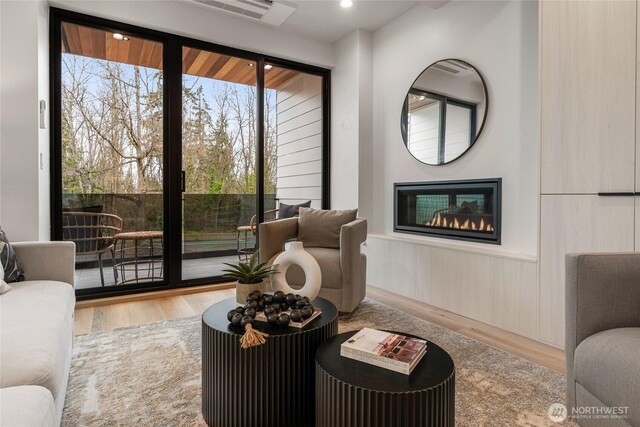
{"x": 424, "y": 127}
{"x": 458, "y": 131}
{"x": 444, "y": 112}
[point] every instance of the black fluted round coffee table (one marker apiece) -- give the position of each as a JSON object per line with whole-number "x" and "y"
{"x": 353, "y": 393}
{"x": 268, "y": 385}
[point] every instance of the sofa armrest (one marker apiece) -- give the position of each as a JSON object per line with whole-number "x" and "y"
{"x": 273, "y": 235}
{"x": 602, "y": 292}
{"x": 47, "y": 260}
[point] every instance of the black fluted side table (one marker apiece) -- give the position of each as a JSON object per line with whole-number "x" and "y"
{"x": 268, "y": 385}
{"x": 353, "y": 393}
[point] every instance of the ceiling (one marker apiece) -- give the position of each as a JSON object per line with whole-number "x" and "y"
{"x": 324, "y": 20}
{"x": 327, "y": 21}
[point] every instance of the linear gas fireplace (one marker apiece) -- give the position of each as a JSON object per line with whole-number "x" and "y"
{"x": 467, "y": 210}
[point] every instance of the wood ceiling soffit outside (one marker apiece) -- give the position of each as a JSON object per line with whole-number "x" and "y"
{"x": 100, "y": 44}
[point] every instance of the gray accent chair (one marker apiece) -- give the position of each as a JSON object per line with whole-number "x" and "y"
{"x": 603, "y": 335}
{"x": 344, "y": 270}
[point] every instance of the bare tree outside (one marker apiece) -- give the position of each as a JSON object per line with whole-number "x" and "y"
{"x": 112, "y": 143}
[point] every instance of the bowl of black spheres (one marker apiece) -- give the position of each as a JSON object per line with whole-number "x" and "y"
{"x": 278, "y": 309}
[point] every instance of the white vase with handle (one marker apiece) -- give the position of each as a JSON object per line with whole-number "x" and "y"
{"x": 295, "y": 254}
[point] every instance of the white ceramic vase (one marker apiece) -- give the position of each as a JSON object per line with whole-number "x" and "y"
{"x": 295, "y": 254}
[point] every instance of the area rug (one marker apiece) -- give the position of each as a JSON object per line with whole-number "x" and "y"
{"x": 150, "y": 375}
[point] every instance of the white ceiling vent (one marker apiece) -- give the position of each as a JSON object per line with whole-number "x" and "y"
{"x": 266, "y": 11}
{"x": 452, "y": 66}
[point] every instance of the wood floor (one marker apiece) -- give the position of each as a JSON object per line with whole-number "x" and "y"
{"x": 118, "y": 312}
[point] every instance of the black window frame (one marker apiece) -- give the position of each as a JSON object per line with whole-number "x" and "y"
{"x": 172, "y": 134}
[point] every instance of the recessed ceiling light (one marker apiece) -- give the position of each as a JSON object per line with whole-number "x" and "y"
{"x": 346, "y": 3}
{"x": 268, "y": 67}
{"x": 119, "y": 36}
{"x": 251, "y": 64}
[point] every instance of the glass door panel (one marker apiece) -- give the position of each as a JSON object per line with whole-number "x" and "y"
{"x": 112, "y": 155}
{"x": 293, "y": 108}
{"x": 219, "y": 141}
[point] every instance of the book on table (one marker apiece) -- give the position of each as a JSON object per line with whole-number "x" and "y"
{"x": 387, "y": 350}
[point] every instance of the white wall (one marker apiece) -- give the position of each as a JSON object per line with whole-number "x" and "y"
{"x": 500, "y": 40}
{"x": 351, "y": 107}
{"x": 24, "y": 80}
{"x": 494, "y": 284}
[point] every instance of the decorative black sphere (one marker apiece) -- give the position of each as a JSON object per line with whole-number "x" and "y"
{"x": 260, "y": 305}
{"x": 276, "y": 306}
{"x": 252, "y": 297}
{"x": 283, "y": 319}
{"x": 240, "y": 309}
{"x": 236, "y": 319}
{"x": 245, "y": 320}
{"x": 231, "y": 314}
{"x": 268, "y": 299}
{"x": 297, "y": 297}
{"x": 279, "y": 296}
{"x": 251, "y": 312}
{"x": 273, "y": 319}
{"x": 306, "y": 300}
{"x": 269, "y": 310}
{"x": 284, "y": 306}
{"x": 290, "y": 299}
{"x": 258, "y": 294}
{"x": 306, "y": 313}
{"x": 296, "y": 315}
{"x": 251, "y": 304}
{"x": 300, "y": 303}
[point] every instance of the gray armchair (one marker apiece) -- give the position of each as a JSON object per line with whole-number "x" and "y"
{"x": 343, "y": 270}
{"x": 603, "y": 335}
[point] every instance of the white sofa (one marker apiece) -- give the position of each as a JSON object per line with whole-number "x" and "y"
{"x": 36, "y": 334}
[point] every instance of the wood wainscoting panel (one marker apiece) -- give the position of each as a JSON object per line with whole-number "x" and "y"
{"x": 498, "y": 290}
{"x": 576, "y": 223}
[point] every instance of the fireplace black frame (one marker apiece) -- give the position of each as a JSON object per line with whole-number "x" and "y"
{"x": 468, "y": 235}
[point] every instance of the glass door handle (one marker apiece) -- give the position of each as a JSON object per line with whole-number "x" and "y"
{"x": 183, "y": 181}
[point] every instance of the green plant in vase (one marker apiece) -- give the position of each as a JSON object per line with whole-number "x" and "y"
{"x": 250, "y": 276}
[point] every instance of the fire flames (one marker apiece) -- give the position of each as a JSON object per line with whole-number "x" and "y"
{"x": 439, "y": 221}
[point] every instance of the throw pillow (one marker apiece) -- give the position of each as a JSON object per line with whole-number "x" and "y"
{"x": 12, "y": 270}
{"x": 3, "y": 285}
{"x": 289, "y": 211}
{"x": 321, "y": 228}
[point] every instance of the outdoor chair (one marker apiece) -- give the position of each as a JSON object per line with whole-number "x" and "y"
{"x": 93, "y": 233}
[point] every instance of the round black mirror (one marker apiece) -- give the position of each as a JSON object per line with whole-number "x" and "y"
{"x": 444, "y": 112}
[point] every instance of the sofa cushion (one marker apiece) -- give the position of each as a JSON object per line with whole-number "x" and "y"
{"x": 10, "y": 264}
{"x": 329, "y": 261}
{"x": 321, "y": 228}
{"x": 37, "y": 331}
{"x": 27, "y": 406}
{"x": 607, "y": 364}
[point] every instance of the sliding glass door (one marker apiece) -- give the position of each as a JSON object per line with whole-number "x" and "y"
{"x": 111, "y": 117}
{"x": 167, "y": 152}
{"x": 219, "y": 154}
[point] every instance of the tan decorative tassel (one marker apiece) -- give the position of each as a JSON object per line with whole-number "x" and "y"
{"x": 252, "y": 337}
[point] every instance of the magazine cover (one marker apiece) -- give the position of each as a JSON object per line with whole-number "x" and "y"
{"x": 385, "y": 345}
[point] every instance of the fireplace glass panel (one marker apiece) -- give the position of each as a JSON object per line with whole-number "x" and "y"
{"x": 468, "y": 210}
